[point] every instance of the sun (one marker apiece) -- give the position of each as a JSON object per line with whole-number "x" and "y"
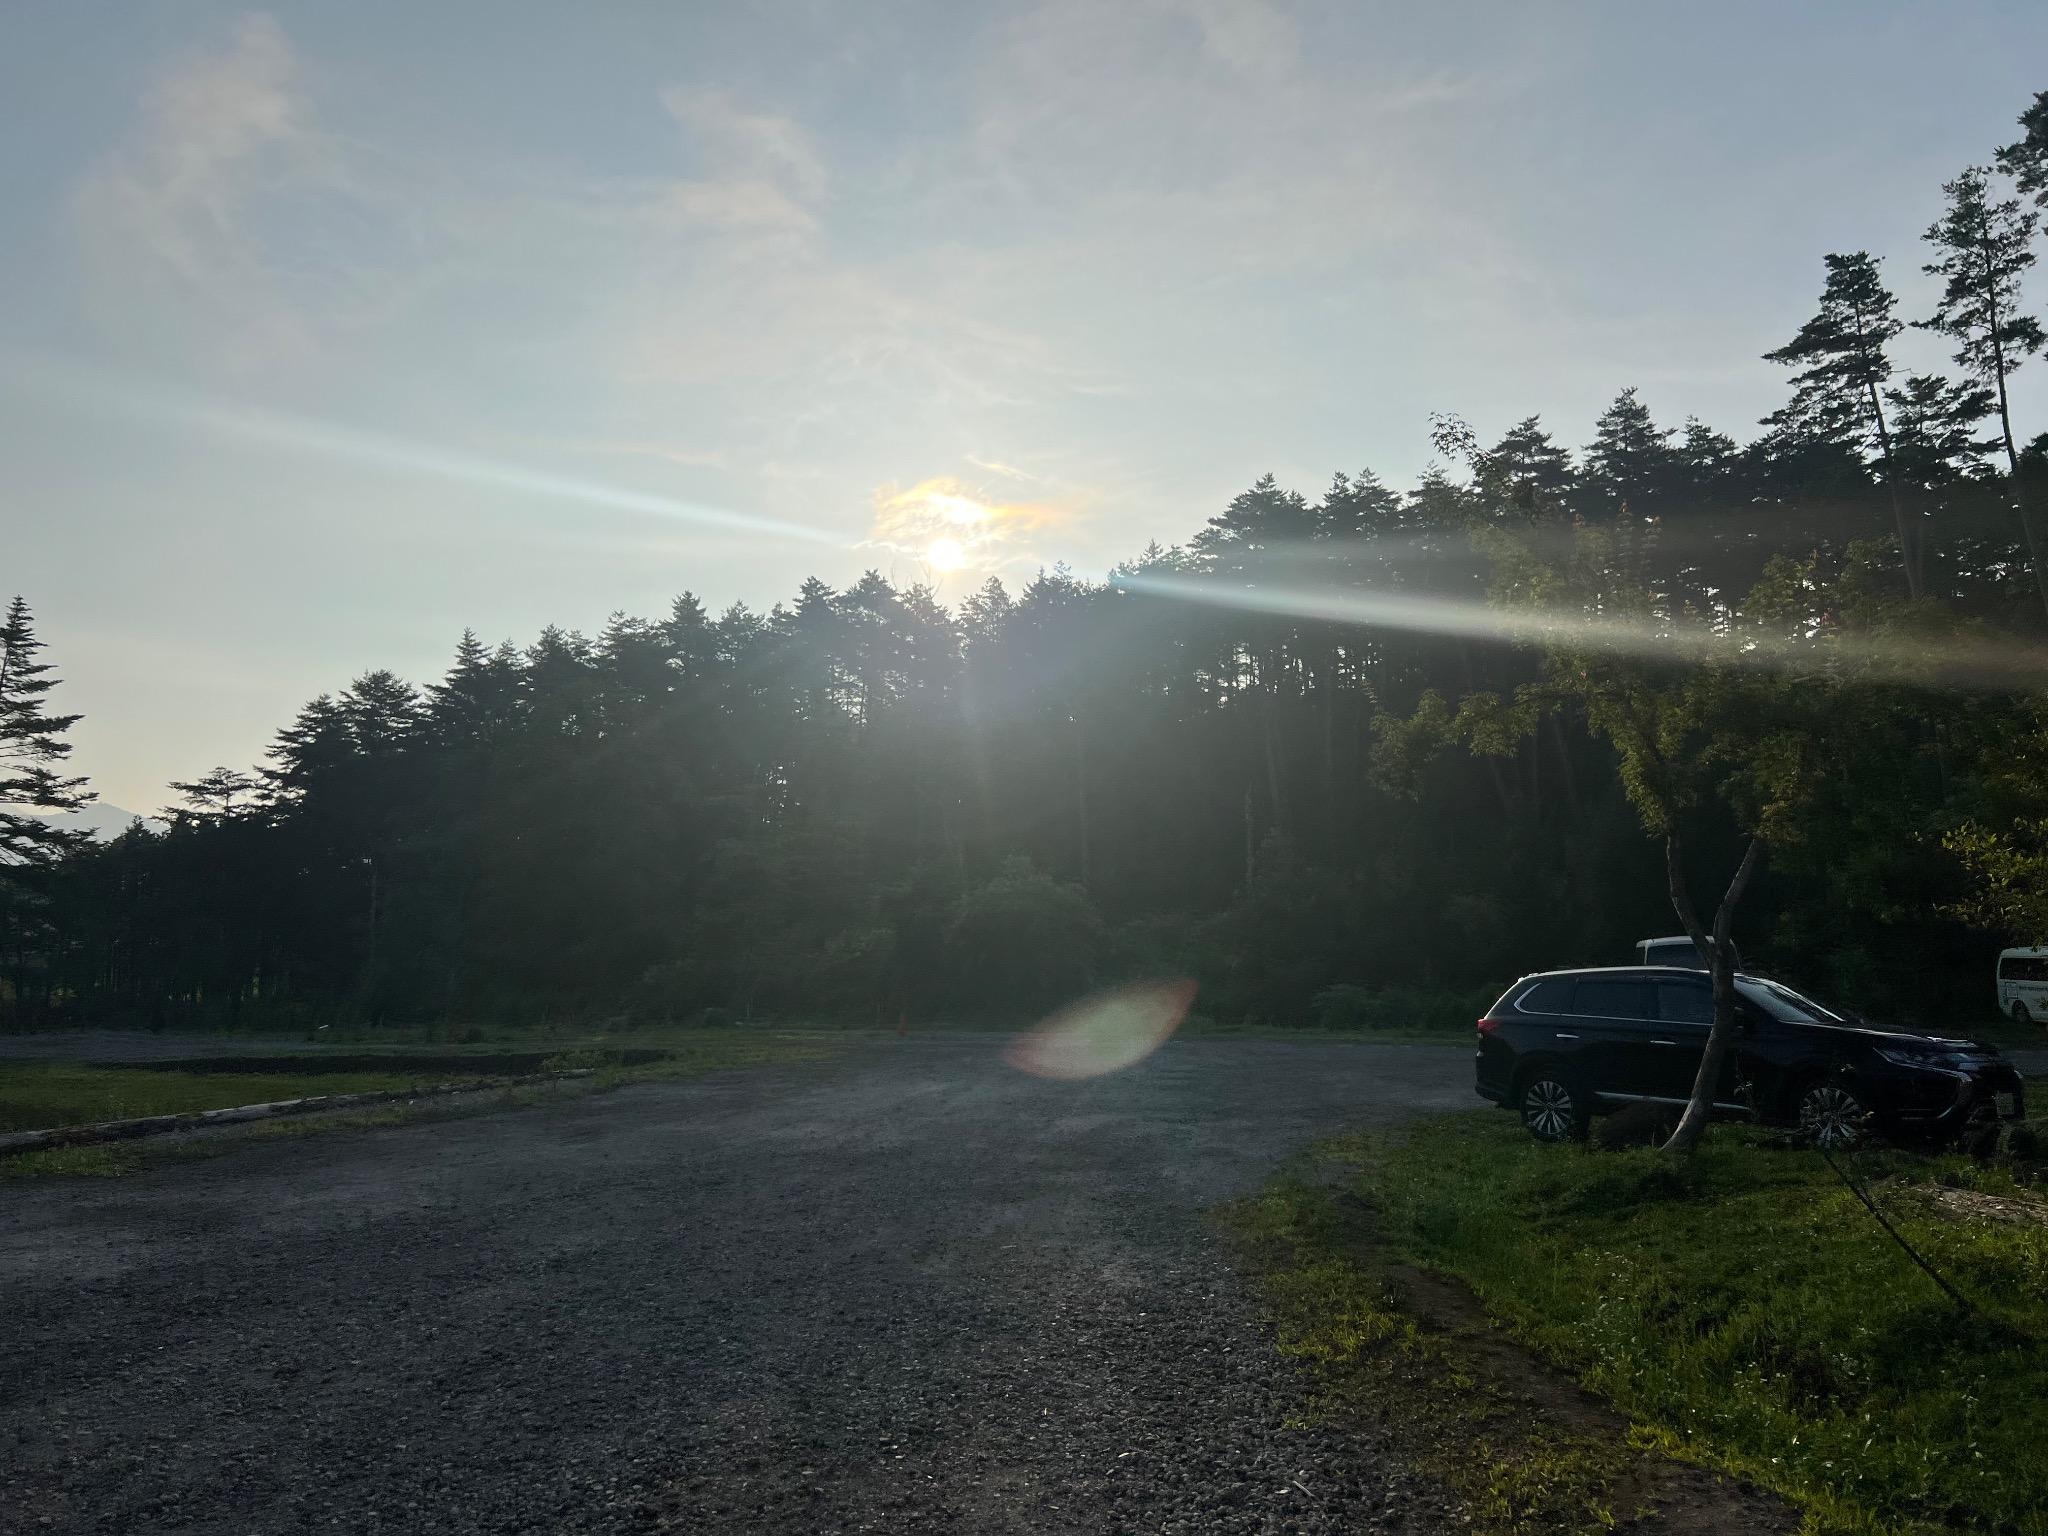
{"x": 945, "y": 555}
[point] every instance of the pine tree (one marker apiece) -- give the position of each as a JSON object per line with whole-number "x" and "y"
{"x": 1840, "y": 355}
{"x": 1527, "y": 470}
{"x": 1935, "y": 436}
{"x": 211, "y": 797}
{"x": 1630, "y": 461}
{"x": 309, "y": 751}
{"x": 2026, "y": 158}
{"x": 31, "y": 747}
{"x": 691, "y": 638}
{"x": 466, "y": 706}
{"x": 383, "y": 713}
{"x": 1986, "y": 248}
{"x": 1707, "y": 463}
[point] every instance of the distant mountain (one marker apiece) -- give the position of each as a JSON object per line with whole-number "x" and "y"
{"x": 99, "y": 818}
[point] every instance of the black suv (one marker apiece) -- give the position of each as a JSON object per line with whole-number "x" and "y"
{"x": 1565, "y": 1045}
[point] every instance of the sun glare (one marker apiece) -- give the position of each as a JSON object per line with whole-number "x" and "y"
{"x": 946, "y": 555}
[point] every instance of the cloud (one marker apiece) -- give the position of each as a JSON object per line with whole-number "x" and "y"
{"x": 1249, "y": 35}
{"x": 736, "y": 137}
{"x": 227, "y": 223}
{"x": 1103, "y": 207}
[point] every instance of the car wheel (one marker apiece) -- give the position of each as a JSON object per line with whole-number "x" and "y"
{"x": 1553, "y": 1108}
{"x": 1978, "y": 1134}
{"x": 1831, "y": 1115}
{"x": 2020, "y": 1014}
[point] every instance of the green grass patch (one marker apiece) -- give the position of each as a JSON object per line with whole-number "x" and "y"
{"x": 704, "y": 1053}
{"x": 1747, "y": 1313}
{"x": 1345, "y": 1319}
{"x": 106, "y": 1160}
{"x": 38, "y": 1095}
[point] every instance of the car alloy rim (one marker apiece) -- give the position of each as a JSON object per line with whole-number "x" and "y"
{"x": 1831, "y": 1116}
{"x": 1547, "y": 1108}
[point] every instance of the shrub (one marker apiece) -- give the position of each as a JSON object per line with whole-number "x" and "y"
{"x": 1350, "y": 1005}
{"x": 1023, "y": 939}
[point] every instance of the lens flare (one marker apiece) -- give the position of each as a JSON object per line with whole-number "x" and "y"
{"x": 1988, "y": 663}
{"x": 946, "y": 555}
{"x": 1104, "y": 1033}
{"x": 101, "y": 394}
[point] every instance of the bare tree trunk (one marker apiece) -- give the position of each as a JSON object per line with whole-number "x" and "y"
{"x": 1081, "y": 800}
{"x": 1909, "y": 542}
{"x": 1251, "y": 846}
{"x": 1692, "y": 1125}
{"x": 2012, "y": 457}
{"x": 1276, "y": 796}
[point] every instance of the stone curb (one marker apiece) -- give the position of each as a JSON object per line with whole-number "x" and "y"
{"x": 157, "y": 1125}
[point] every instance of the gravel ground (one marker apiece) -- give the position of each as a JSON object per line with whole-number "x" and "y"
{"x": 907, "y": 1290}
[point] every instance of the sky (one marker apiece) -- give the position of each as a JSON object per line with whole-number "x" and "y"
{"x": 329, "y": 331}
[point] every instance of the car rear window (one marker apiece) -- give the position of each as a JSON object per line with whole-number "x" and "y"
{"x": 1614, "y": 997}
{"x": 1553, "y": 994}
{"x": 1685, "y": 1002}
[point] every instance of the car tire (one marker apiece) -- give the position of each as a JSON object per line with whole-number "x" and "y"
{"x": 2020, "y": 1014}
{"x": 1978, "y": 1134}
{"x": 1553, "y": 1106}
{"x": 1831, "y": 1113}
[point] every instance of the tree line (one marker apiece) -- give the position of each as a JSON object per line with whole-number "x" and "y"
{"x": 1284, "y": 757}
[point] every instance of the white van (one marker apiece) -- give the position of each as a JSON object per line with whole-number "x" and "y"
{"x": 1680, "y": 951}
{"x": 2023, "y": 985}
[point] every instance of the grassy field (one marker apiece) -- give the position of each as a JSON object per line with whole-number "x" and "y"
{"x": 38, "y": 1095}
{"x": 1742, "y": 1310}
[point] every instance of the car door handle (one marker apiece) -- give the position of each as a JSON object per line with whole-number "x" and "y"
{"x": 1565, "y": 1035}
{"x": 1663, "y": 1042}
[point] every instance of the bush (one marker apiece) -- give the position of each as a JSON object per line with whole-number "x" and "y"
{"x": 1023, "y": 939}
{"x": 1349, "y": 1005}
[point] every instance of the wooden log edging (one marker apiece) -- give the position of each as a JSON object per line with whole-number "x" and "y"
{"x": 196, "y": 1119}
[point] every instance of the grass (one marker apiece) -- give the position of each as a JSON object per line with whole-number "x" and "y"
{"x": 1745, "y": 1312}
{"x": 1340, "y": 1313}
{"x": 71, "y": 1085}
{"x": 37, "y": 1095}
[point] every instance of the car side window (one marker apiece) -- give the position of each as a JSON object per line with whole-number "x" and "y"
{"x": 1614, "y": 997}
{"x": 1551, "y": 995}
{"x": 1685, "y": 1002}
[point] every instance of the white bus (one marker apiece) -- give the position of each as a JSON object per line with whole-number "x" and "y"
{"x": 2023, "y": 985}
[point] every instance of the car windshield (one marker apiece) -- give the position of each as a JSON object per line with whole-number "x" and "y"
{"x": 1785, "y": 1005}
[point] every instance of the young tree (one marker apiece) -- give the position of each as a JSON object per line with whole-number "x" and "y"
{"x": 1985, "y": 249}
{"x": 1738, "y": 725}
{"x": 1841, "y": 361}
{"x": 32, "y": 746}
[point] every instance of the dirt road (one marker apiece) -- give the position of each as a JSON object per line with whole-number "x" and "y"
{"x": 908, "y": 1290}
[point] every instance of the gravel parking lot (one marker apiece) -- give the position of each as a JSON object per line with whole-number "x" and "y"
{"x": 909, "y": 1289}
